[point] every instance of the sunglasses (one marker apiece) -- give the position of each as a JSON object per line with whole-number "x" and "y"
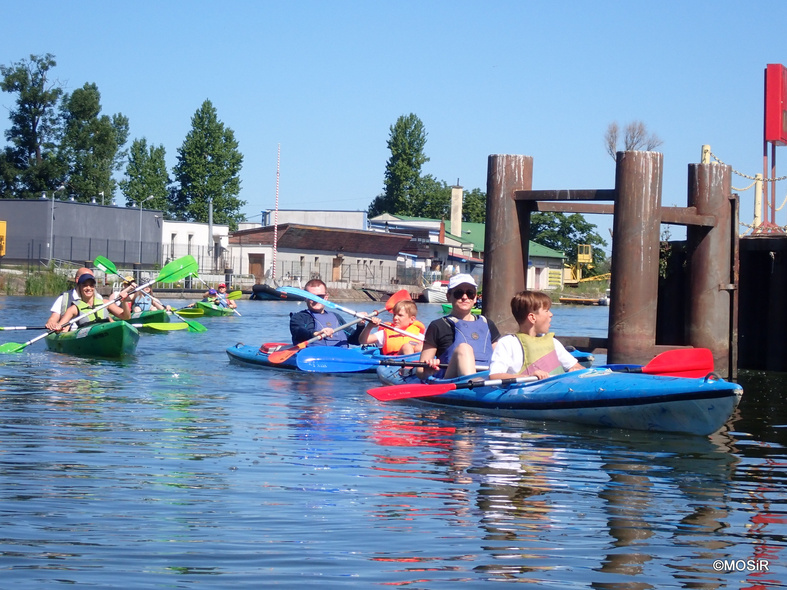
{"x": 459, "y": 293}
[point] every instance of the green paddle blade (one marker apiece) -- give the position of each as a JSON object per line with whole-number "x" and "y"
{"x": 178, "y": 269}
{"x": 191, "y": 313}
{"x": 11, "y": 347}
{"x": 194, "y": 326}
{"x": 160, "y": 327}
{"x": 235, "y": 295}
{"x": 105, "y": 265}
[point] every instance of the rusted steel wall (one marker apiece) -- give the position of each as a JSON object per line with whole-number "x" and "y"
{"x": 635, "y": 257}
{"x": 710, "y": 252}
{"x": 506, "y": 242}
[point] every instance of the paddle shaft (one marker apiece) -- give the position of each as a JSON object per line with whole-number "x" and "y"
{"x": 394, "y": 392}
{"x": 332, "y": 305}
{"x": 279, "y": 356}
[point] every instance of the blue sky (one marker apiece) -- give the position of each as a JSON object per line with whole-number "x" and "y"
{"x": 326, "y": 80}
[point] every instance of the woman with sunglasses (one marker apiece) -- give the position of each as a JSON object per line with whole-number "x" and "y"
{"x": 461, "y": 340}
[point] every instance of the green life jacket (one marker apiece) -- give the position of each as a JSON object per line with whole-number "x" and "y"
{"x": 100, "y": 315}
{"x": 539, "y": 354}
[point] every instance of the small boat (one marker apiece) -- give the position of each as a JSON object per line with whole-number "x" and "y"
{"x": 211, "y": 309}
{"x": 254, "y": 356}
{"x": 103, "y": 339}
{"x": 268, "y": 293}
{"x": 601, "y": 397}
{"x": 437, "y": 292}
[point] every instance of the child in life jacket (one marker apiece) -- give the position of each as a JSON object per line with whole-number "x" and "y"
{"x": 391, "y": 341}
{"x": 533, "y": 350}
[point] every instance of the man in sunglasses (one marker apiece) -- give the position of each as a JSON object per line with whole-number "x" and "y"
{"x": 315, "y": 320}
{"x": 460, "y": 340}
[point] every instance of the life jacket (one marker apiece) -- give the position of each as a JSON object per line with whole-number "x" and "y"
{"x": 221, "y": 301}
{"x": 144, "y": 302}
{"x": 539, "y": 354}
{"x": 472, "y": 332}
{"x": 393, "y": 341}
{"x": 328, "y": 319}
{"x": 67, "y": 299}
{"x": 100, "y": 315}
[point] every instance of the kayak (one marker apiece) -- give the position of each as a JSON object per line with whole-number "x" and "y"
{"x": 447, "y": 307}
{"x": 243, "y": 354}
{"x": 105, "y": 339}
{"x": 602, "y": 397}
{"x": 153, "y": 316}
{"x": 210, "y": 309}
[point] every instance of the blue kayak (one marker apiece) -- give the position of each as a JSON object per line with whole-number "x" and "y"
{"x": 348, "y": 359}
{"x": 599, "y": 397}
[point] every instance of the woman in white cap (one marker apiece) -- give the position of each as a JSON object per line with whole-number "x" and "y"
{"x": 461, "y": 340}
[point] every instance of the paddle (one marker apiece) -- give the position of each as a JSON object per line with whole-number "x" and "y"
{"x": 684, "y": 362}
{"x": 280, "y": 356}
{"x": 681, "y": 362}
{"x": 330, "y": 304}
{"x": 107, "y": 266}
{"x": 226, "y": 296}
{"x": 153, "y": 327}
{"x": 327, "y": 359}
{"x": 174, "y": 271}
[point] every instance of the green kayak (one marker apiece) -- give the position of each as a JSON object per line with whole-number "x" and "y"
{"x": 106, "y": 339}
{"x": 447, "y": 307}
{"x": 210, "y": 309}
{"x": 155, "y": 316}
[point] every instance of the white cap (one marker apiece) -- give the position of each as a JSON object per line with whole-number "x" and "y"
{"x": 461, "y": 279}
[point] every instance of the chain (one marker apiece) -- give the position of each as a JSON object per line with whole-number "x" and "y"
{"x": 746, "y": 175}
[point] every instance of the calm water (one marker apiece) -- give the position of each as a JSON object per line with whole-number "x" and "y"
{"x": 175, "y": 469}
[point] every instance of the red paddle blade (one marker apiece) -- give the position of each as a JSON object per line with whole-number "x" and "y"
{"x": 393, "y": 392}
{"x": 682, "y": 362}
{"x": 401, "y": 295}
{"x": 280, "y": 356}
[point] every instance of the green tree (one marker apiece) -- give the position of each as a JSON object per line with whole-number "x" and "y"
{"x": 564, "y": 233}
{"x": 92, "y": 144}
{"x": 146, "y": 175}
{"x": 208, "y": 168}
{"x": 30, "y": 164}
{"x": 403, "y": 170}
{"x": 474, "y": 207}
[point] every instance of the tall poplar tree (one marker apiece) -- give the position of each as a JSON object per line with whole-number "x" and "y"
{"x": 92, "y": 144}
{"x": 403, "y": 171}
{"x": 146, "y": 175}
{"x": 30, "y": 163}
{"x": 208, "y": 168}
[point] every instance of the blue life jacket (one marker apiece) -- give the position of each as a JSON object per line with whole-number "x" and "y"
{"x": 328, "y": 319}
{"x": 475, "y": 333}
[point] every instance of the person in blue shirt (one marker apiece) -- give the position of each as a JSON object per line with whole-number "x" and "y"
{"x": 315, "y": 320}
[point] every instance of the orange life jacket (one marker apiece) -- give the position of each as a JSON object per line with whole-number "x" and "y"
{"x": 393, "y": 341}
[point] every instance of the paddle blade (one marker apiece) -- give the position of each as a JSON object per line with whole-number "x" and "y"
{"x": 279, "y": 356}
{"x": 330, "y": 359}
{"x": 235, "y": 295}
{"x": 10, "y": 347}
{"x": 401, "y": 295}
{"x": 682, "y": 362}
{"x": 178, "y": 269}
{"x": 194, "y": 326}
{"x": 189, "y": 312}
{"x": 394, "y": 392}
{"x": 105, "y": 265}
{"x": 160, "y": 327}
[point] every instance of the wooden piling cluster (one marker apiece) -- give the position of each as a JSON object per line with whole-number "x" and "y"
{"x": 712, "y": 253}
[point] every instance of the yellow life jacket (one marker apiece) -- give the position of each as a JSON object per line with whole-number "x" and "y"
{"x": 83, "y": 307}
{"x": 393, "y": 341}
{"x": 539, "y": 354}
